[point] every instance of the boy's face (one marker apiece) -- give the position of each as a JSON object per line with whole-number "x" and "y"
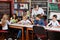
{"x": 54, "y": 19}
{"x": 37, "y": 18}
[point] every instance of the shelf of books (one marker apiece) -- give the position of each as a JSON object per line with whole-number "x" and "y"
{"x": 54, "y": 8}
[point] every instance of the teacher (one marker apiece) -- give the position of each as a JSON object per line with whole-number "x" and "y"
{"x": 37, "y": 10}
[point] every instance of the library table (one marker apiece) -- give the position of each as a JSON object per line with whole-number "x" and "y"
{"x": 50, "y": 29}
{"x": 27, "y": 31}
{"x": 18, "y": 26}
{"x": 53, "y": 33}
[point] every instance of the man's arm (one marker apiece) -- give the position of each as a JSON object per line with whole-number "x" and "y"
{"x": 32, "y": 13}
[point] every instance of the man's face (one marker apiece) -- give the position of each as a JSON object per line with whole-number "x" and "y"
{"x": 37, "y": 8}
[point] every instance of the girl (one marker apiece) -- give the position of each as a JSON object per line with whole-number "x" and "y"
{"x": 14, "y": 19}
{"x": 5, "y": 22}
{"x": 25, "y": 21}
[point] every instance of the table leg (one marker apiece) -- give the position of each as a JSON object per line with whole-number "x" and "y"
{"x": 22, "y": 34}
{"x": 32, "y": 35}
{"x": 27, "y": 35}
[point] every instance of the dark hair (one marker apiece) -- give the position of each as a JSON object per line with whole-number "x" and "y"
{"x": 55, "y": 16}
{"x": 15, "y": 16}
{"x": 39, "y": 15}
{"x": 35, "y": 5}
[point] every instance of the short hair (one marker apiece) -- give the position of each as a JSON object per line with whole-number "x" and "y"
{"x": 39, "y": 15}
{"x": 15, "y": 16}
{"x": 25, "y": 16}
{"x": 55, "y": 16}
{"x": 35, "y": 5}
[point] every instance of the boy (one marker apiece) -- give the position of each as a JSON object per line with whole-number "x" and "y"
{"x": 54, "y": 21}
{"x": 39, "y": 21}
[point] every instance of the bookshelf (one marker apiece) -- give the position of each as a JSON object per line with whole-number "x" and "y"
{"x": 5, "y": 8}
{"x": 42, "y": 3}
{"x": 45, "y": 4}
{"x": 53, "y": 6}
{"x": 48, "y": 5}
{"x": 20, "y": 6}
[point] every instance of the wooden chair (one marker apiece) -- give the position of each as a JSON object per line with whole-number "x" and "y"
{"x": 4, "y": 34}
{"x": 40, "y": 32}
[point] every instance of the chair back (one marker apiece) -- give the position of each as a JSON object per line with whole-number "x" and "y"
{"x": 39, "y": 30}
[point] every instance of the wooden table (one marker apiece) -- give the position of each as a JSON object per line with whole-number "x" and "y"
{"x": 30, "y": 27}
{"x": 54, "y": 29}
{"x": 53, "y": 33}
{"x": 17, "y": 26}
{"x": 27, "y": 32}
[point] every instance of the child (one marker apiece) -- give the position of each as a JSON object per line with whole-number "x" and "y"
{"x": 5, "y": 22}
{"x": 25, "y": 21}
{"x": 54, "y": 21}
{"x": 39, "y": 21}
{"x": 14, "y": 19}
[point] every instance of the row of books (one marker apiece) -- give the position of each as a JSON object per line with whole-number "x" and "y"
{"x": 21, "y": 13}
{"x": 21, "y": 6}
{"x": 44, "y": 4}
{"x": 4, "y": 8}
{"x": 54, "y": 0}
{"x": 54, "y": 6}
{"x": 39, "y": 0}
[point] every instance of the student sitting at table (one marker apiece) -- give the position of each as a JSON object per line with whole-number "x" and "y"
{"x": 5, "y": 22}
{"x": 14, "y": 19}
{"x": 39, "y": 21}
{"x": 53, "y": 22}
{"x": 24, "y": 21}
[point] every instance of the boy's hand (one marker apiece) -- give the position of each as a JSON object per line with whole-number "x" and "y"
{"x": 37, "y": 24}
{"x": 47, "y": 26}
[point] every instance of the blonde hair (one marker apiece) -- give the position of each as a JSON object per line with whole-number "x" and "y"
{"x": 25, "y": 17}
{"x": 4, "y": 19}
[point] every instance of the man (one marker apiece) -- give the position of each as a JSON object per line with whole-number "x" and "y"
{"x": 37, "y": 10}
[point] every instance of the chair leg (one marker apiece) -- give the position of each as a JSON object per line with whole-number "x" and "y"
{"x": 6, "y": 36}
{"x": 2, "y": 36}
{"x": 32, "y": 35}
